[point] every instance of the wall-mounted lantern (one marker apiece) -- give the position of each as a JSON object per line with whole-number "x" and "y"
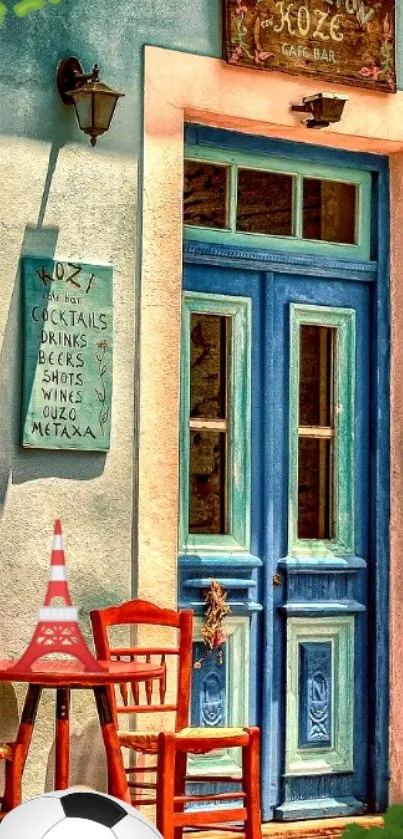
{"x": 324, "y": 109}
{"x": 94, "y": 102}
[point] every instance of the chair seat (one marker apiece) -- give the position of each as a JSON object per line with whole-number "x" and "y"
{"x": 147, "y": 742}
{"x": 140, "y": 741}
{"x": 208, "y": 733}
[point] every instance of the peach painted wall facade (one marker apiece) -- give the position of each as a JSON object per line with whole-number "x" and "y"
{"x": 180, "y": 87}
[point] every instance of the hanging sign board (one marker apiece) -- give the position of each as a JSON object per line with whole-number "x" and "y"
{"x": 67, "y": 381}
{"x": 346, "y": 41}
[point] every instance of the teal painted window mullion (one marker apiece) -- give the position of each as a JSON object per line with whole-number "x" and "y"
{"x": 343, "y": 321}
{"x": 238, "y": 536}
{"x": 233, "y": 191}
{"x": 345, "y": 432}
{"x": 298, "y": 218}
{"x": 240, "y": 427}
{"x": 363, "y": 217}
{"x": 184, "y": 430}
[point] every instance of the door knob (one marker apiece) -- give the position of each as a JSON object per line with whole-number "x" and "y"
{"x": 277, "y": 580}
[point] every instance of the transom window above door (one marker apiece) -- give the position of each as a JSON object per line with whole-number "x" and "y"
{"x": 247, "y": 200}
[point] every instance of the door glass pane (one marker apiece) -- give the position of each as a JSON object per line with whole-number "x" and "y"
{"x": 265, "y": 203}
{"x": 205, "y": 194}
{"x": 210, "y": 354}
{"x": 207, "y": 504}
{"x": 316, "y": 431}
{"x": 314, "y": 488}
{"x": 316, "y": 375}
{"x": 329, "y": 211}
{"x": 209, "y": 339}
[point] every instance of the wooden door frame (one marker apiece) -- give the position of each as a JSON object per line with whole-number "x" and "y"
{"x": 356, "y": 270}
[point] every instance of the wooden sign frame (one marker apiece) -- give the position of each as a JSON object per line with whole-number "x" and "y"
{"x": 350, "y": 42}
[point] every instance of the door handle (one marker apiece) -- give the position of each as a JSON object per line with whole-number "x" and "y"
{"x": 277, "y": 580}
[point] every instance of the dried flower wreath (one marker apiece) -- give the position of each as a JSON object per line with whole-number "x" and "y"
{"x": 212, "y": 630}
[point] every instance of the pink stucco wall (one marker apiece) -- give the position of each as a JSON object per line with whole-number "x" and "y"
{"x": 179, "y": 86}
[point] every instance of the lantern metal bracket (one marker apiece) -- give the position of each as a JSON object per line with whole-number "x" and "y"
{"x": 93, "y": 101}
{"x": 324, "y": 108}
{"x": 70, "y": 75}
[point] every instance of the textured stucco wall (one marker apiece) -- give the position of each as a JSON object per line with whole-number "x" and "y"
{"x": 113, "y": 33}
{"x": 60, "y": 197}
{"x": 90, "y": 215}
{"x": 110, "y": 32}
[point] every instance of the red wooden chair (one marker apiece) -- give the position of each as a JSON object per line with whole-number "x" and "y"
{"x": 11, "y": 754}
{"x": 171, "y": 748}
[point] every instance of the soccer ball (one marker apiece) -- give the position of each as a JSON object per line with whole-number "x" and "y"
{"x": 76, "y": 814}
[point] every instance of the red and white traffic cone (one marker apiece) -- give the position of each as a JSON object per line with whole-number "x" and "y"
{"x": 58, "y": 629}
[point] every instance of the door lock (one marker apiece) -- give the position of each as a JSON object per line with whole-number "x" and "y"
{"x": 277, "y": 580}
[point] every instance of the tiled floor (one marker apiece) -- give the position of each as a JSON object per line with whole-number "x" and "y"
{"x": 304, "y": 829}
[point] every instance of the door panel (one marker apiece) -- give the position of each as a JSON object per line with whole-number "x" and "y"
{"x": 307, "y": 610}
{"x": 322, "y": 601}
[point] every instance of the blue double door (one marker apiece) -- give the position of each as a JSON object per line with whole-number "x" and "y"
{"x": 305, "y": 586}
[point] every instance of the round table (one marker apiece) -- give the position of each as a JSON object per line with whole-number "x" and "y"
{"x": 63, "y": 676}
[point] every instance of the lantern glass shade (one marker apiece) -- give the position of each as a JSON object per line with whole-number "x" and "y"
{"x": 104, "y": 106}
{"x": 94, "y": 104}
{"x": 83, "y": 109}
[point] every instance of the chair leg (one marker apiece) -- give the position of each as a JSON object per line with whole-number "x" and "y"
{"x": 109, "y": 782}
{"x": 166, "y": 784}
{"x": 251, "y": 784}
{"x": 13, "y": 778}
{"x": 180, "y": 787}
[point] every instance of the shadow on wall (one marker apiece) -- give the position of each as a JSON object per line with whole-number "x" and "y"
{"x": 8, "y": 719}
{"x": 33, "y": 44}
{"x": 17, "y": 464}
{"x": 87, "y": 759}
{"x": 88, "y": 765}
{"x": 95, "y": 596}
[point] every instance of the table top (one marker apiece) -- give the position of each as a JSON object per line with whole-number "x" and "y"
{"x": 63, "y": 673}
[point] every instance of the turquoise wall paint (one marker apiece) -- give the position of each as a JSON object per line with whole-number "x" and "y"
{"x": 111, "y": 32}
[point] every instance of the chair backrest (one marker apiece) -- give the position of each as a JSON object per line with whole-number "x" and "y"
{"x": 134, "y": 613}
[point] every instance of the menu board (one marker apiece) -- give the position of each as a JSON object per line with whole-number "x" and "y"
{"x": 346, "y": 41}
{"x": 67, "y": 370}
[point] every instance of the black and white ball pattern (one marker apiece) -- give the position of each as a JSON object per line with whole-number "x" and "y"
{"x": 76, "y": 814}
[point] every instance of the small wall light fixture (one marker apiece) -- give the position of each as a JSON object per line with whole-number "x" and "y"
{"x": 324, "y": 109}
{"x": 94, "y": 102}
